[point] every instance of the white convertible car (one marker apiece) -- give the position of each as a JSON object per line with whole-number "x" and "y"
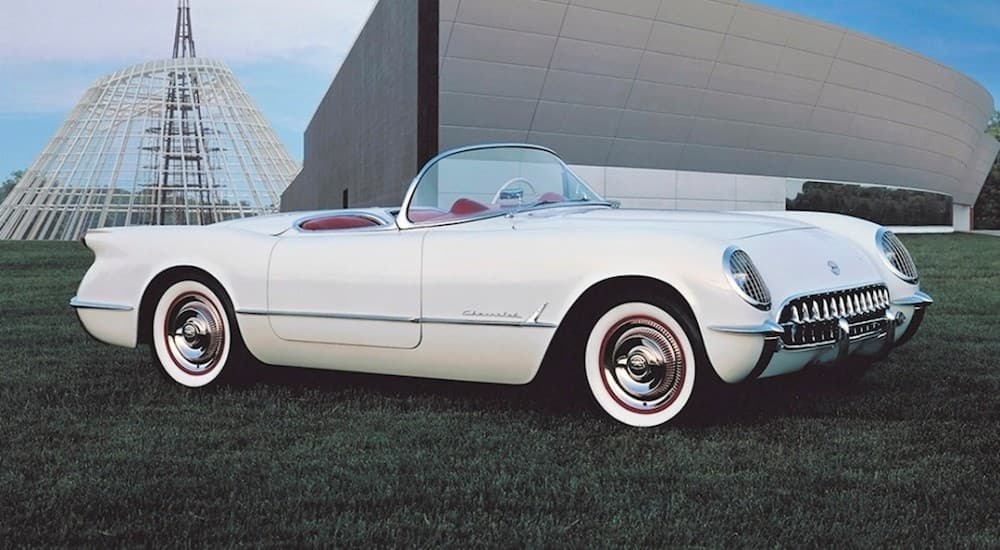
{"x": 499, "y": 263}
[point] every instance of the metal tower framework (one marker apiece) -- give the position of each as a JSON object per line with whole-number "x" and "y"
{"x": 175, "y": 141}
{"x": 183, "y": 35}
{"x": 184, "y": 150}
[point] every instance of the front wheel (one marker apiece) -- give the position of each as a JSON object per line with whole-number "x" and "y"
{"x": 194, "y": 339}
{"x": 641, "y": 363}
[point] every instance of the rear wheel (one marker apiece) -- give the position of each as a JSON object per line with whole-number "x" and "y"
{"x": 640, "y": 361}
{"x": 195, "y": 338}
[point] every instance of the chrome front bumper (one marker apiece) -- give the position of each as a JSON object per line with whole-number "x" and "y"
{"x": 877, "y": 338}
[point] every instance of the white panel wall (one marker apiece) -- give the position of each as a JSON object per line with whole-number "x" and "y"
{"x": 962, "y": 217}
{"x": 683, "y": 190}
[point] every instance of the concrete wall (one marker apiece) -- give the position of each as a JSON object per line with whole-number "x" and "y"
{"x": 709, "y": 86}
{"x": 378, "y": 122}
{"x": 663, "y": 88}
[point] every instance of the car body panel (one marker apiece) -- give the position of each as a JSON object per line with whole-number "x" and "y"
{"x": 359, "y": 288}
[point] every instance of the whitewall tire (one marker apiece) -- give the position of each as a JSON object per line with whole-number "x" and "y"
{"x": 193, "y": 339}
{"x": 640, "y": 364}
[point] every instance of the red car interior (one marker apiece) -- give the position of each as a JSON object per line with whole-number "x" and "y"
{"x": 339, "y": 222}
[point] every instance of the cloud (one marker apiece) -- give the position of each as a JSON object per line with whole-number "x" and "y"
{"x": 313, "y": 32}
{"x": 54, "y": 49}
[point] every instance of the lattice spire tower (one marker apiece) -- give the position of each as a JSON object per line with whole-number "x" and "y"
{"x": 174, "y": 141}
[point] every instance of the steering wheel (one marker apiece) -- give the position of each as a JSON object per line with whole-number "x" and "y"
{"x": 512, "y": 181}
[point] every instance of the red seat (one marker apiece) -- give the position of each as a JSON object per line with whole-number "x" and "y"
{"x": 551, "y": 197}
{"x": 419, "y": 215}
{"x": 467, "y": 207}
{"x": 338, "y": 222}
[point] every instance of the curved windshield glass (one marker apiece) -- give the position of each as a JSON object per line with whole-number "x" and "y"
{"x": 480, "y": 182}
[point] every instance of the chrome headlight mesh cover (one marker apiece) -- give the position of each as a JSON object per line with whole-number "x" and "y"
{"x": 743, "y": 275}
{"x": 896, "y": 256}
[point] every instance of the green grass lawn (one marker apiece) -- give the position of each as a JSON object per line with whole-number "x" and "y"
{"x": 97, "y": 449}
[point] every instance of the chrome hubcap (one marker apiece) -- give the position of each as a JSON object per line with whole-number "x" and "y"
{"x": 643, "y": 365}
{"x": 195, "y": 334}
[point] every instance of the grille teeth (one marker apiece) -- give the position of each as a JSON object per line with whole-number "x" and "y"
{"x": 813, "y": 320}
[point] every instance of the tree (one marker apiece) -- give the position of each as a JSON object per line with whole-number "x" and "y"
{"x": 9, "y": 183}
{"x": 987, "y": 209}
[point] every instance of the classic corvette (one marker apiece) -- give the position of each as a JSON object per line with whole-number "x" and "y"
{"x": 502, "y": 262}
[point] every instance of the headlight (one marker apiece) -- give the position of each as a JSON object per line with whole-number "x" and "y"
{"x": 896, "y": 256}
{"x": 745, "y": 278}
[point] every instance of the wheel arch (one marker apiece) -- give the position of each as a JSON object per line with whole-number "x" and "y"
{"x": 160, "y": 282}
{"x": 602, "y": 293}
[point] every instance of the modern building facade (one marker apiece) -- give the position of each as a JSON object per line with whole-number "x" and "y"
{"x": 691, "y": 104}
{"x": 173, "y": 141}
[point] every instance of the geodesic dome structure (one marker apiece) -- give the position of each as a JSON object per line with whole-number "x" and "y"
{"x": 175, "y": 141}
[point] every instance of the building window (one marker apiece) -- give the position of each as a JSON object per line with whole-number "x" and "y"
{"x": 347, "y": 202}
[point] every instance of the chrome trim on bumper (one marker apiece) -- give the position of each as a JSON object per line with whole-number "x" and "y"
{"x": 77, "y": 303}
{"x": 843, "y": 340}
{"x": 919, "y": 299}
{"x": 317, "y": 315}
{"x": 767, "y": 328}
{"x": 892, "y": 320}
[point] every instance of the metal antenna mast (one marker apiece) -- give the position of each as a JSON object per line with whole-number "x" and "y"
{"x": 185, "y": 192}
{"x": 183, "y": 35}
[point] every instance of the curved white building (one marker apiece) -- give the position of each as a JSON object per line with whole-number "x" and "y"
{"x": 705, "y": 104}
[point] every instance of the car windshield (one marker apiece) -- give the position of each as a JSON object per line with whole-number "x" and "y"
{"x": 480, "y": 182}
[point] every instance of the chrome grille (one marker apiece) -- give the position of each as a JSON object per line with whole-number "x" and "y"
{"x": 749, "y": 279}
{"x": 898, "y": 256}
{"x": 813, "y": 320}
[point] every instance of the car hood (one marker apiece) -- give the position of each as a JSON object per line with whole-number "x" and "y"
{"x": 721, "y": 226}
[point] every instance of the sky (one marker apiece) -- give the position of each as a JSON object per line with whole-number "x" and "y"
{"x": 286, "y": 53}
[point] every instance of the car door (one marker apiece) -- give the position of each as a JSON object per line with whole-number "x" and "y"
{"x": 484, "y": 272}
{"x": 359, "y": 288}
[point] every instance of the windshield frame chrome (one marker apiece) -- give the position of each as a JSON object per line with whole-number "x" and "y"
{"x": 403, "y": 220}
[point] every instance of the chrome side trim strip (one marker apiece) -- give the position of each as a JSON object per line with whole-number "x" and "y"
{"x": 342, "y": 316}
{"x": 83, "y": 304}
{"x": 480, "y": 322}
{"x": 533, "y": 319}
{"x": 918, "y": 299}
{"x": 768, "y": 328}
{"x": 392, "y": 319}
